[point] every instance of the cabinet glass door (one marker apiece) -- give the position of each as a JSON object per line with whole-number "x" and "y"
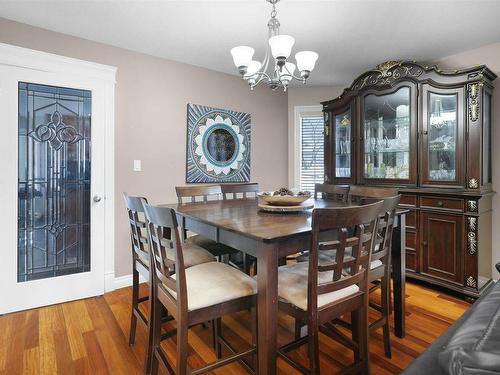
{"x": 343, "y": 137}
{"x": 386, "y": 131}
{"x": 442, "y": 133}
{"x": 442, "y": 136}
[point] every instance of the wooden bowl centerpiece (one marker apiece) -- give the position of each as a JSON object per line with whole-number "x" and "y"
{"x": 285, "y": 197}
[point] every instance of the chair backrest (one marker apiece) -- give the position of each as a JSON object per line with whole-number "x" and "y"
{"x": 138, "y": 227}
{"x": 357, "y": 191}
{"x": 348, "y": 269}
{"x": 246, "y": 191}
{"x": 194, "y": 193}
{"x": 330, "y": 191}
{"x": 383, "y": 240}
{"x": 164, "y": 237}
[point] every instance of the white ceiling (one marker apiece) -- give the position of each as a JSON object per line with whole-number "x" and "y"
{"x": 349, "y": 35}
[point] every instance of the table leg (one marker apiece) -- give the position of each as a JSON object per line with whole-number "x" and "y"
{"x": 267, "y": 308}
{"x": 398, "y": 259}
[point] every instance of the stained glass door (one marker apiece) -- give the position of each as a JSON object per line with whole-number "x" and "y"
{"x": 54, "y": 161}
{"x": 53, "y": 220}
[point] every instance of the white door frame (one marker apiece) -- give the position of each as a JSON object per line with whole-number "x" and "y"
{"x": 104, "y": 76}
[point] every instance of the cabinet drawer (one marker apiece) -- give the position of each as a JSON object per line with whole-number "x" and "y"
{"x": 408, "y": 200}
{"x": 453, "y": 204}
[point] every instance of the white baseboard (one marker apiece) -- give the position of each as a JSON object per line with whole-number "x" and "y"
{"x": 111, "y": 282}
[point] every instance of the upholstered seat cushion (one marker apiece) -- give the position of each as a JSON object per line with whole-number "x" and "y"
{"x": 292, "y": 286}
{"x": 192, "y": 254}
{"x": 213, "y": 283}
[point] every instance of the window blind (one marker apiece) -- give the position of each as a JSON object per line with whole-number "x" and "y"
{"x": 312, "y": 157}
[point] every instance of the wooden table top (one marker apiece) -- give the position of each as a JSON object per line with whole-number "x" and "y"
{"x": 244, "y": 217}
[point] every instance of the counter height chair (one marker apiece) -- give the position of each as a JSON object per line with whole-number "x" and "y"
{"x": 191, "y": 295}
{"x": 204, "y": 193}
{"x": 380, "y": 267}
{"x": 316, "y": 293}
{"x": 141, "y": 265}
{"x": 330, "y": 191}
{"x": 379, "y": 275}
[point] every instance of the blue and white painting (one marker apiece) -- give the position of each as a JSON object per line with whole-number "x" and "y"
{"x": 218, "y": 145}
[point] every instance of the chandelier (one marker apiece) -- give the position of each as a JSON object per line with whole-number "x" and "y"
{"x": 277, "y": 73}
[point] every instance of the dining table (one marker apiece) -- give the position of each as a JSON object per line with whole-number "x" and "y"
{"x": 271, "y": 237}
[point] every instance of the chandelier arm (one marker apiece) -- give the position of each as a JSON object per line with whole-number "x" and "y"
{"x": 262, "y": 76}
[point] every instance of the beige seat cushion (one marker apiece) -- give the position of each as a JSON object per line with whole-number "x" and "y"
{"x": 292, "y": 286}
{"x": 212, "y": 283}
{"x": 193, "y": 255}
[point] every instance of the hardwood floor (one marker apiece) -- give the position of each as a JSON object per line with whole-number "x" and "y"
{"x": 90, "y": 337}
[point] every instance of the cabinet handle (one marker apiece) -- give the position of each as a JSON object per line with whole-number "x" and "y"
{"x": 424, "y": 243}
{"x": 440, "y": 203}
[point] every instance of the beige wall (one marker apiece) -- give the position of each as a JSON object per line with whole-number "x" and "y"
{"x": 489, "y": 55}
{"x": 304, "y": 96}
{"x": 150, "y": 113}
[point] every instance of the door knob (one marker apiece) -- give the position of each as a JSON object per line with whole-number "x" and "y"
{"x": 97, "y": 198}
{"x": 424, "y": 243}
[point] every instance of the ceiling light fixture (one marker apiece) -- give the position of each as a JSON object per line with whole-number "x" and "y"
{"x": 279, "y": 74}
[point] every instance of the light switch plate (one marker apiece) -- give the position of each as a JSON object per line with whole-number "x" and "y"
{"x": 137, "y": 166}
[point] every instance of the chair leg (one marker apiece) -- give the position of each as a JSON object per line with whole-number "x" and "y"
{"x": 386, "y": 312}
{"x": 360, "y": 331}
{"x": 313, "y": 346}
{"x": 156, "y": 333}
{"x": 255, "y": 330}
{"x": 217, "y": 334}
{"x": 214, "y": 334}
{"x": 135, "y": 297}
{"x": 354, "y": 333}
{"x": 150, "y": 348}
{"x": 182, "y": 348}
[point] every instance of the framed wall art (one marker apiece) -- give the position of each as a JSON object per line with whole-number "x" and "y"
{"x": 218, "y": 145}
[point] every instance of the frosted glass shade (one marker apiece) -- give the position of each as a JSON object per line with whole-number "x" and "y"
{"x": 253, "y": 67}
{"x": 242, "y": 55}
{"x": 306, "y": 60}
{"x": 281, "y": 45}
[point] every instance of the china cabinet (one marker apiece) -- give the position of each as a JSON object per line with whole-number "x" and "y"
{"x": 427, "y": 132}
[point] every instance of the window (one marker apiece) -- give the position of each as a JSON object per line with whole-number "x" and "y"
{"x": 309, "y": 148}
